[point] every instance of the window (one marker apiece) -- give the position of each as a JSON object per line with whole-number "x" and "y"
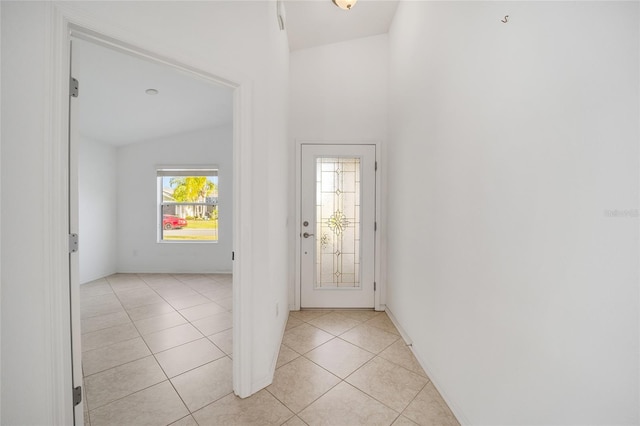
{"x": 188, "y": 204}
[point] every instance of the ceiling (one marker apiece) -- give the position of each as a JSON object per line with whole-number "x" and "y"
{"x": 113, "y": 105}
{"x": 114, "y": 108}
{"x": 312, "y": 23}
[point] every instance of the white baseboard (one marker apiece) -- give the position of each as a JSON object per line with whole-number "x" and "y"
{"x": 430, "y": 374}
{"x": 403, "y": 333}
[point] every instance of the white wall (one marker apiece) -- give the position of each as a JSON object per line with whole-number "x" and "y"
{"x": 509, "y": 144}
{"x": 338, "y": 92}
{"x": 269, "y": 219}
{"x": 238, "y": 39}
{"x": 25, "y": 363}
{"x": 97, "y": 209}
{"x": 138, "y": 249}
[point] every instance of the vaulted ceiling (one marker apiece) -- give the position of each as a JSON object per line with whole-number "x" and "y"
{"x": 115, "y": 108}
{"x": 312, "y": 23}
{"x": 114, "y": 105}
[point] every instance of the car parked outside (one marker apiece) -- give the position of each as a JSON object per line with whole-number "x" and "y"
{"x": 173, "y": 222}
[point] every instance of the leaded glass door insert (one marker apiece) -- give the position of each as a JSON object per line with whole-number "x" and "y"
{"x": 337, "y": 237}
{"x": 338, "y": 222}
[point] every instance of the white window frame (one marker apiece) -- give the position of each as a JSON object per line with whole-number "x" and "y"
{"x": 172, "y": 171}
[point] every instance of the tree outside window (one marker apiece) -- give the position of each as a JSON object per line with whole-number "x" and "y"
{"x": 189, "y": 204}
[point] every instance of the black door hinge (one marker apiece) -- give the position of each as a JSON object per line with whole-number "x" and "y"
{"x": 233, "y": 255}
{"x": 74, "y": 87}
{"x": 374, "y": 286}
{"x": 77, "y": 395}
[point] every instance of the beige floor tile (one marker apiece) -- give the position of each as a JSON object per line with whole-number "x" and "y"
{"x": 346, "y": 405}
{"x": 120, "y": 286}
{"x": 361, "y": 315}
{"x": 383, "y": 322}
{"x": 294, "y": 421}
{"x": 189, "y": 301}
{"x": 204, "y": 284}
{"x": 188, "y": 356}
{"x": 306, "y": 315}
{"x": 202, "y": 311}
{"x": 221, "y": 277}
{"x": 149, "y": 311}
{"x": 259, "y": 409}
{"x": 111, "y": 356}
{"x": 214, "y": 323}
{"x": 223, "y": 340}
{"x": 339, "y": 357}
{"x": 172, "y": 337}
{"x": 101, "y": 322}
{"x": 178, "y": 291}
{"x": 138, "y": 297}
{"x": 157, "y": 279}
{"x": 428, "y": 408}
{"x": 226, "y": 303}
{"x": 334, "y": 323}
{"x": 99, "y": 305}
{"x": 161, "y": 322}
{"x": 403, "y": 421}
{"x": 389, "y": 383}
{"x": 95, "y": 288}
{"x": 108, "y": 336}
{"x": 157, "y": 405}
{"x": 186, "y": 277}
{"x": 122, "y": 276}
{"x": 185, "y": 421}
{"x": 206, "y": 384}
{"x": 399, "y": 353}
{"x": 300, "y": 382}
{"x": 305, "y": 337}
{"x": 163, "y": 284}
{"x": 202, "y": 374}
{"x": 370, "y": 338}
{"x": 293, "y": 322}
{"x": 118, "y": 382}
{"x": 220, "y": 293}
{"x": 286, "y": 355}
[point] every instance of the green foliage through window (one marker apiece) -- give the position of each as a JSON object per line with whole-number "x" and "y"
{"x": 189, "y": 204}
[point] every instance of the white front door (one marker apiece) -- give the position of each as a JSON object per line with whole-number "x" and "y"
{"x": 337, "y": 229}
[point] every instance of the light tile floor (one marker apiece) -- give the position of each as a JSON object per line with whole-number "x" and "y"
{"x": 157, "y": 351}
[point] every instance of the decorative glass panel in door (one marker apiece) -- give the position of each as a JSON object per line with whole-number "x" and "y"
{"x": 338, "y": 222}
{"x": 337, "y": 229}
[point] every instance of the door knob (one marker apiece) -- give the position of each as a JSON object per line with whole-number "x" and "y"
{"x": 307, "y": 235}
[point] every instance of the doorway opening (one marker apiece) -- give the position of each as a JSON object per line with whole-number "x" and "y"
{"x": 139, "y": 303}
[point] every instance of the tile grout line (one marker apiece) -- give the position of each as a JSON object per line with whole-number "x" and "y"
{"x": 184, "y": 372}
{"x": 146, "y": 344}
{"x": 150, "y": 351}
{"x": 375, "y": 355}
{"x": 414, "y": 398}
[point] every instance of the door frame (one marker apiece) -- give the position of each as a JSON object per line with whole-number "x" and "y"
{"x": 379, "y": 294}
{"x": 67, "y": 21}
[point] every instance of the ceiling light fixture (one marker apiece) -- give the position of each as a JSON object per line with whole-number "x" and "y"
{"x": 151, "y": 92}
{"x": 344, "y": 4}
